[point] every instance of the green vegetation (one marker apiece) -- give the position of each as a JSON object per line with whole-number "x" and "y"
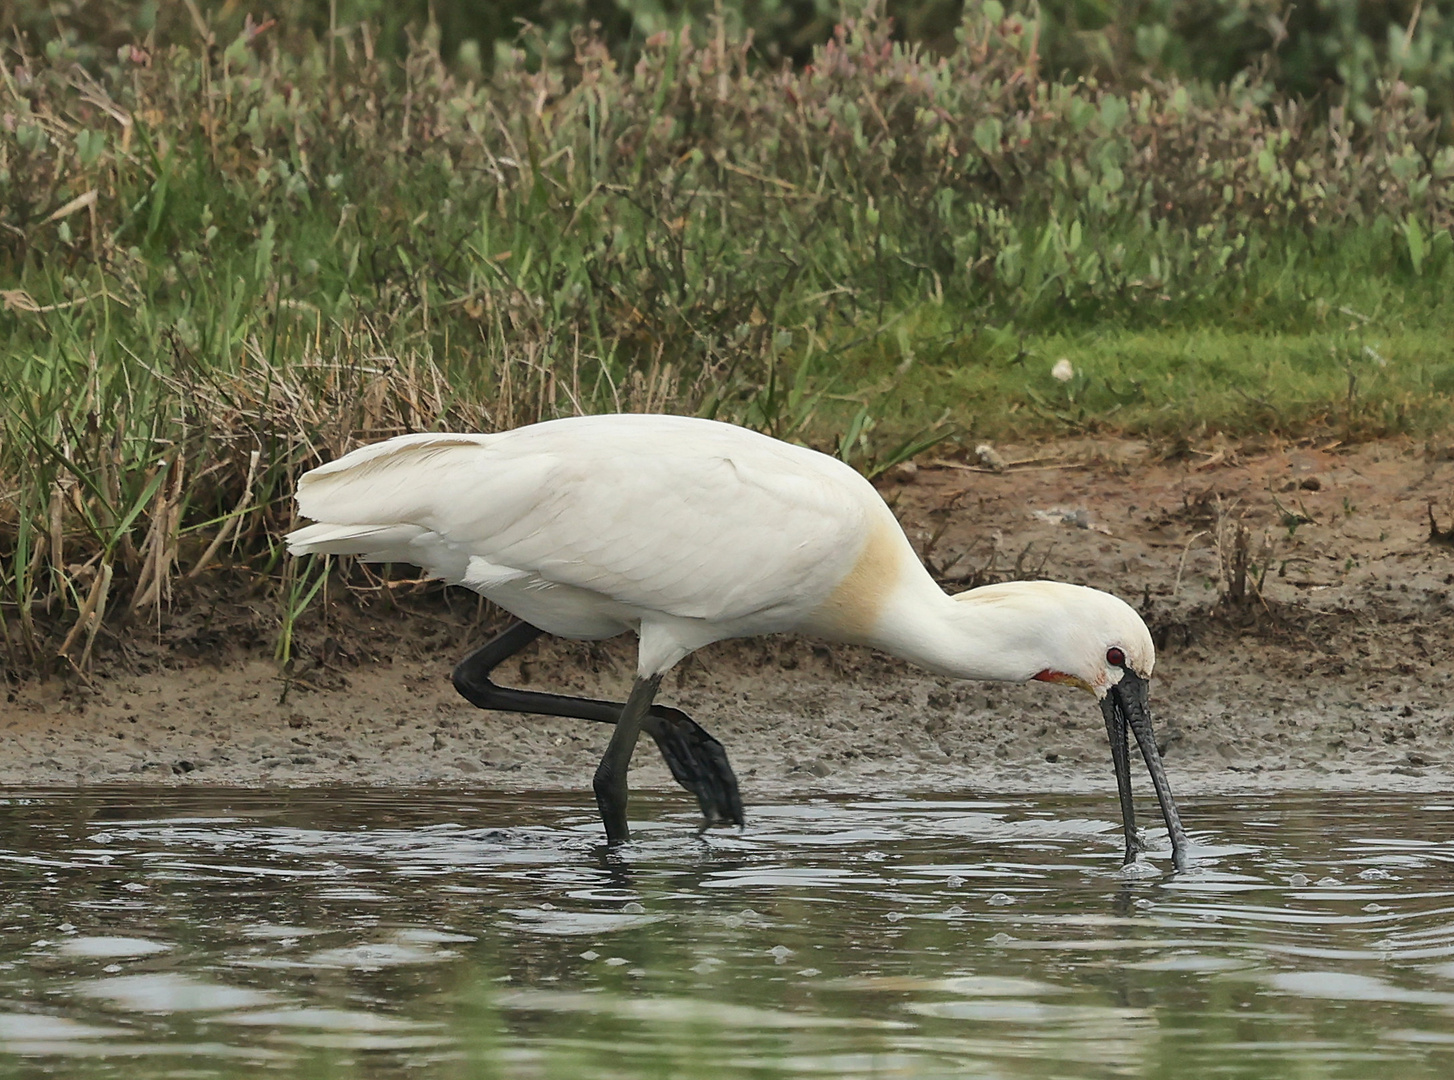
{"x": 224, "y": 259}
{"x": 1339, "y": 52}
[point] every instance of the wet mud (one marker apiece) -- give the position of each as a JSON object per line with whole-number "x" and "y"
{"x": 1325, "y": 663}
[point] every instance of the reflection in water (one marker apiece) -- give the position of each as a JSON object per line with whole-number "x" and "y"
{"x": 425, "y": 933}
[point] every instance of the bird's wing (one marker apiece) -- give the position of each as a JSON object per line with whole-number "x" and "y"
{"x": 665, "y": 520}
{"x": 695, "y": 536}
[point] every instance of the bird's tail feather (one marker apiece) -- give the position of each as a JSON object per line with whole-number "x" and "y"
{"x": 387, "y": 483}
{"x": 372, "y": 543}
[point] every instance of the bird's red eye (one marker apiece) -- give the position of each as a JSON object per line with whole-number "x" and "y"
{"x": 1115, "y": 657}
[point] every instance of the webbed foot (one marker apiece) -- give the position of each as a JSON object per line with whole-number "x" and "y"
{"x": 698, "y": 762}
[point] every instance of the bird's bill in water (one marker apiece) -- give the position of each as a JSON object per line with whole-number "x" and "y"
{"x": 1125, "y": 706}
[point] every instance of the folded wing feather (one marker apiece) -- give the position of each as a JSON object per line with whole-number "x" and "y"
{"x": 682, "y": 526}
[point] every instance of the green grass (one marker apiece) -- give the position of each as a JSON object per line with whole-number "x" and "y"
{"x": 220, "y": 268}
{"x": 1176, "y": 382}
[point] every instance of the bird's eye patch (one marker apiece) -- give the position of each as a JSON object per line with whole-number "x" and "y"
{"x": 1115, "y": 657}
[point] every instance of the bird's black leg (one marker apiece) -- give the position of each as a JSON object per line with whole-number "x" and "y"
{"x": 697, "y": 760}
{"x": 610, "y": 779}
{"x": 1121, "y": 758}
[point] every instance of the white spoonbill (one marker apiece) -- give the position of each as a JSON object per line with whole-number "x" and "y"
{"x": 688, "y": 531}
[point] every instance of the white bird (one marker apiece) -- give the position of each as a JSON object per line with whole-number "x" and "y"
{"x": 689, "y": 531}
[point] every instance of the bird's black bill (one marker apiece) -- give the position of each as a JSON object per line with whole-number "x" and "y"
{"x": 1125, "y": 707}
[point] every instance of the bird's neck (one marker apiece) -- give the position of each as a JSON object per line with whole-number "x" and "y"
{"x": 889, "y": 601}
{"x": 969, "y": 637}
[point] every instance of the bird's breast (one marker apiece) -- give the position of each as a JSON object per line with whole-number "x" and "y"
{"x": 855, "y": 608}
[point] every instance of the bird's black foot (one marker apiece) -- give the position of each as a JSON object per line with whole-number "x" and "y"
{"x": 698, "y": 762}
{"x": 1134, "y": 848}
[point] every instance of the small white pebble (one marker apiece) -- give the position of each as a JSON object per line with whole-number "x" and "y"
{"x": 954, "y": 911}
{"x": 547, "y": 906}
{"x": 954, "y": 881}
{"x": 1001, "y": 938}
{"x": 1375, "y": 873}
{"x": 111, "y": 969}
{"x": 990, "y": 458}
{"x": 632, "y": 908}
{"x": 780, "y": 953}
{"x": 1000, "y": 899}
{"x": 748, "y": 913}
{"x": 1328, "y": 883}
{"x": 636, "y": 973}
{"x": 136, "y": 886}
{"x": 894, "y": 916}
{"x": 1063, "y": 371}
{"x": 1143, "y": 903}
{"x": 66, "y": 928}
{"x": 1298, "y": 881}
{"x": 1374, "y": 907}
{"x": 616, "y": 961}
{"x": 1210, "y": 916}
{"x": 808, "y": 973}
{"x": 590, "y": 954}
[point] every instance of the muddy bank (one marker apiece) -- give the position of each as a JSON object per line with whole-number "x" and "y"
{"x": 1334, "y": 673}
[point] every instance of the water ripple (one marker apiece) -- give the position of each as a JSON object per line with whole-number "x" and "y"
{"x": 840, "y": 938}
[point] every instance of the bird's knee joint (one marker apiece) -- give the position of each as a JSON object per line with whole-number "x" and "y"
{"x": 604, "y": 782}
{"x": 469, "y": 689}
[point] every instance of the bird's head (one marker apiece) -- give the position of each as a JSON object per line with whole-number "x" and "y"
{"x": 1053, "y": 632}
{"x": 1066, "y": 634}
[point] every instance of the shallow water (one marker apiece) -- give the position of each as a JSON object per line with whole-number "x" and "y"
{"x": 193, "y": 933}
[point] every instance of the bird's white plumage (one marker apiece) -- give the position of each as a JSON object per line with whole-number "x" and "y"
{"x": 689, "y": 531}
{"x": 590, "y": 526}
